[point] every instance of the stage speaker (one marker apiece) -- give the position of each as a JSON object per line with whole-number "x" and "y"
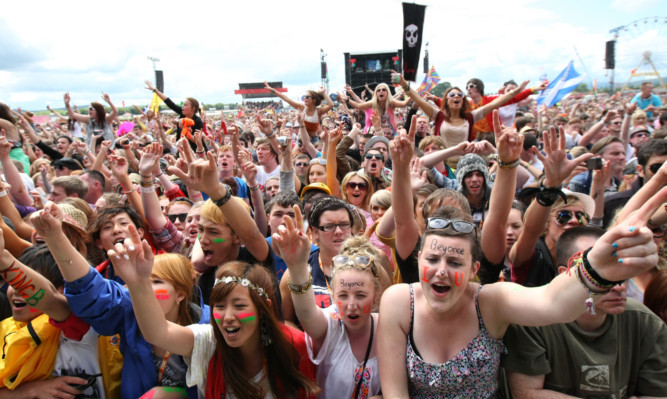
{"x": 609, "y": 57}
{"x": 159, "y": 81}
{"x": 324, "y": 70}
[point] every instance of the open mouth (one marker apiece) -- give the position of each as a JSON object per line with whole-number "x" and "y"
{"x": 353, "y": 317}
{"x": 19, "y": 304}
{"x": 231, "y": 331}
{"x": 441, "y": 289}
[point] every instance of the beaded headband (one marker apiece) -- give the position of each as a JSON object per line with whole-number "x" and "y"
{"x": 244, "y": 282}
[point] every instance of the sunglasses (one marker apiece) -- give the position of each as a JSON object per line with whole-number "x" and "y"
{"x": 459, "y": 226}
{"x": 383, "y": 89}
{"x": 318, "y": 161}
{"x": 184, "y": 199}
{"x": 379, "y": 157}
{"x": 328, "y": 228}
{"x": 304, "y": 97}
{"x": 564, "y": 216}
{"x": 360, "y": 186}
{"x": 654, "y": 168}
{"x": 301, "y": 164}
{"x": 59, "y": 167}
{"x": 640, "y": 135}
{"x": 359, "y": 260}
{"x": 180, "y": 216}
{"x": 455, "y": 94}
{"x": 471, "y": 86}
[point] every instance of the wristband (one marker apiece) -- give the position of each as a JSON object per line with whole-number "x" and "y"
{"x": 598, "y": 280}
{"x": 145, "y": 177}
{"x": 509, "y": 165}
{"x": 300, "y": 289}
{"x": 161, "y": 173}
{"x": 129, "y": 191}
{"x": 147, "y": 190}
{"x": 254, "y": 188}
{"x": 146, "y": 183}
{"x": 222, "y": 201}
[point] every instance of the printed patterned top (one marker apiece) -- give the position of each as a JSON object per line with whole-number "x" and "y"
{"x": 472, "y": 373}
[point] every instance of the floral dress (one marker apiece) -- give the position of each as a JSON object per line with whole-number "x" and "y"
{"x": 472, "y": 373}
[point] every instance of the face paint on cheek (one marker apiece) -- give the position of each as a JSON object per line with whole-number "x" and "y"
{"x": 458, "y": 279}
{"x": 217, "y": 317}
{"x": 148, "y": 395}
{"x": 161, "y": 295}
{"x": 247, "y": 317}
{"x": 219, "y": 240}
{"x": 340, "y": 307}
{"x": 367, "y": 309}
{"x": 33, "y": 310}
{"x": 424, "y": 279}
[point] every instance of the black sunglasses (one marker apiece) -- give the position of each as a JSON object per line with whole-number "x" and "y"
{"x": 654, "y": 168}
{"x": 301, "y": 164}
{"x": 379, "y": 157}
{"x": 180, "y": 216}
{"x": 362, "y": 185}
{"x": 564, "y": 216}
{"x": 460, "y": 226}
{"x": 304, "y": 97}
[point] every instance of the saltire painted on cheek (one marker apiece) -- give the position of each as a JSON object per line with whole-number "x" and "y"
{"x": 247, "y": 317}
{"x": 161, "y": 295}
{"x": 218, "y": 240}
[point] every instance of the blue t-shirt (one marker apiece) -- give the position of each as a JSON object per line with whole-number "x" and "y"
{"x": 644, "y": 103}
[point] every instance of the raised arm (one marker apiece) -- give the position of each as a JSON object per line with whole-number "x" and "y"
{"x": 114, "y": 112}
{"x": 305, "y": 138}
{"x": 291, "y": 244}
{"x": 502, "y": 100}
{"x": 283, "y": 97}
{"x": 149, "y": 86}
{"x": 407, "y": 231}
{"x": 510, "y": 144}
{"x": 35, "y": 289}
{"x": 250, "y": 174}
{"x": 332, "y": 162}
{"x": 412, "y": 93}
{"x": 149, "y": 199}
{"x": 133, "y": 261}
{"x": 323, "y": 109}
{"x": 12, "y": 175}
{"x": 623, "y": 252}
{"x": 48, "y": 224}
{"x": 203, "y": 176}
{"x": 74, "y": 115}
{"x": 556, "y": 169}
{"x": 436, "y": 157}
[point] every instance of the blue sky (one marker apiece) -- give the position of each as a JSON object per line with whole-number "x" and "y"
{"x": 207, "y": 48}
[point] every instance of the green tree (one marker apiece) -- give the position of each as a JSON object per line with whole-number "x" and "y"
{"x": 582, "y": 88}
{"x": 440, "y": 88}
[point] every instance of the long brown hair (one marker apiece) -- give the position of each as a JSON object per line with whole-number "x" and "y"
{"x": 465, "y": 107}
{"x": 100, "y": 114}
{"x": 281, "y": 358}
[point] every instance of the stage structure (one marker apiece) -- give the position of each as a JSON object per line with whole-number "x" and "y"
{"x": 371, "y": 68}
{"x": 251, "y": 91}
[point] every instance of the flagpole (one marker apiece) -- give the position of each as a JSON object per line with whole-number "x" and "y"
{"x": 584, "y": 65}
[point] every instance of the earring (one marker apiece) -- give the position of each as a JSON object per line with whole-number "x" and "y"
{"x": 264, "y": 333}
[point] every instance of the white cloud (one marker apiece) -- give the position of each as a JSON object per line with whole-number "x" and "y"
{"x": 207, "y": 48}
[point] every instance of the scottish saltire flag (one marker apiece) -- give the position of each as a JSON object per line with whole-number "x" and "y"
{"x": 564, "y": 83}
{"x": 430, "y": 80}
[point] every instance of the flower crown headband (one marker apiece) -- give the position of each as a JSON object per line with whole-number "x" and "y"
{"x": 244, "y": 282}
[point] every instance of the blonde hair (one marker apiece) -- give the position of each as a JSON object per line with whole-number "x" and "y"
{"x": 381, "y": 265}
{"x": 177, "y": 270}
{"x": 376, "y": 104}
{"x": 381, "y": 198}
{"x": 212, "y": 212}
{"x": 369, "y": 190}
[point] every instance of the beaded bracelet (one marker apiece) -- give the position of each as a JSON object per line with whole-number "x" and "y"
{"x": 254, "y": 188}
{"x": 145, "y": 177}
{"x": 129, "y": 191}
{"x": 596, "y": 277}
{"x": 300, "y": 289}
{"x": 589, "y": 302}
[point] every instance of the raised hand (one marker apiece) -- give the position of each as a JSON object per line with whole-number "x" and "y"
{"x": 149, "y": 159}
{"x": 106, "y": 98}
{"x": 265, "y": 125}
{"x": 508, "y": 140}
{"x": 5, "y": 146}
{"x": 628, "y": 249}
{"x": 149, "y": 85}
{"x": 556, "y": 165}
{"x": 291, "y": 244}
{"x": 542, "y": 86}
{"x": 133, "y": 259}
{"x": 250, "y": 173}
{"x": 118, "y": 165}
{"x": 418, "y": 177}
{"x": 202, "y": 174}
{"x": 48, "y": 222}
{"x": 66, "y": 98}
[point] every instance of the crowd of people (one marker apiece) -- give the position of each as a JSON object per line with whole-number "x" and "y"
{"x": 472, "y": 245}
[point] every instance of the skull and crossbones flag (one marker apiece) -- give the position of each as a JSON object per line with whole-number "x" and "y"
{"x": 413, "y": 27}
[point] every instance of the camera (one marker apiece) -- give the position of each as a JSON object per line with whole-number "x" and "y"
{"x": 594, "y": 163}
{"x": 283, "y": 141}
